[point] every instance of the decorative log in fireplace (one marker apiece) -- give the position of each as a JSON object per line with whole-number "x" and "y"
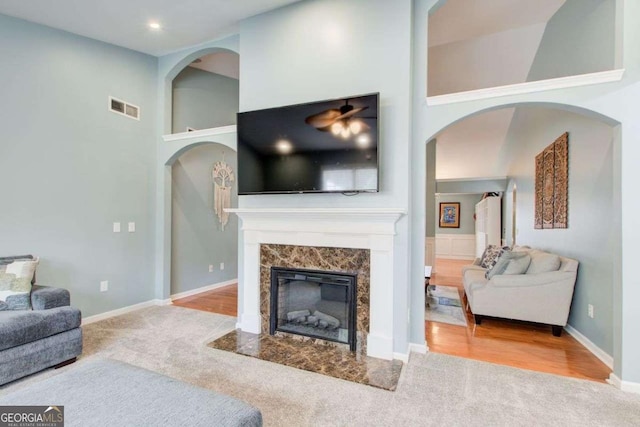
{"x": 318, "y": 304}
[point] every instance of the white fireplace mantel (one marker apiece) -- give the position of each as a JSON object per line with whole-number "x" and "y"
{"x": 361, "y": 228}
{"x": 328, "y": 220}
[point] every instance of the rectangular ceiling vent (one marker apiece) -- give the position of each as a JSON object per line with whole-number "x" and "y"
{"x": 124, "y": 108}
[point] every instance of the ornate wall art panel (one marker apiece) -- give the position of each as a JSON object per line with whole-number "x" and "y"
{"x": 561, "y": 178}
{"x": 538, "y": 190}
{"x": 552, "y": 185}
{"x": 547, "y": 187}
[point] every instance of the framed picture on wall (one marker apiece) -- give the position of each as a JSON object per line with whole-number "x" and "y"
{"x": 449, "y": 215}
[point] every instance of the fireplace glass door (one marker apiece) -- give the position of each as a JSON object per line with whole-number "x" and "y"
{"x": 317, "y": 304}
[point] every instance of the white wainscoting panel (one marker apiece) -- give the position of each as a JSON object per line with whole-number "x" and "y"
{"x": 455, "y": 246}
{"x": 430, "y": 252}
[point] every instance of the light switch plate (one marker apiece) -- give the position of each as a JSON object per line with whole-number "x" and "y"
{"x": 132, "y": 227}
{"x": 104, "y": 286}
{"x": 116, "y": 227}
{"x": 222, "y": 266}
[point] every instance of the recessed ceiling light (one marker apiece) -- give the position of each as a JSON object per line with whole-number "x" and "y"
{"x": 154, "y": 25}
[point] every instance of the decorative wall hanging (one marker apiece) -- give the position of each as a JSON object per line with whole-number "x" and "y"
{"x": 223, "y": 179}
{"x": 449, "y": 215}
{"x": 552, "y": 185}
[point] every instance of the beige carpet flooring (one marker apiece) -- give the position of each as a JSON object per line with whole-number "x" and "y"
{"x": 434, "y": 389}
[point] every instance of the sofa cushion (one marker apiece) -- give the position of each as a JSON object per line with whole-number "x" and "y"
{"x": 543, "y": 262}
{"x": 21, "y": 327}
{"x": 510, "y": 263}
{"x": 15, "y": 284}
{"x": 518, "y": 264}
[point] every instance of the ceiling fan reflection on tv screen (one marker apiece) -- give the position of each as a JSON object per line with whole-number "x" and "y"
{"x": 328, "y": 146}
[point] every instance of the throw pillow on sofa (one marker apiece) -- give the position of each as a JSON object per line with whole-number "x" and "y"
{"x": 518, "y": 264}
{"x": 543, "y": 262}
{"x": 491, "y": 254}
{"x": 15, "y": 285}
{"x": 509, "y": 262}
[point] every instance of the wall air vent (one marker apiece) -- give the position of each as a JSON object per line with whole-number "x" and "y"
{"x": 124, "y": 108}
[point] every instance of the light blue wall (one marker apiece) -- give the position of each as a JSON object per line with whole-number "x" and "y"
{"x": 197, "y": 236}
{"x": 467, "y": 209}
{"x": 203, "y": 100}
{"x": 472, "y": 186}
{"x": 324, "y": 49}
{"x": 578, "y": 39}
{"x": 70, "y": 167}
{"x": 589, "y": 237}
{"x": 431, "y": 185}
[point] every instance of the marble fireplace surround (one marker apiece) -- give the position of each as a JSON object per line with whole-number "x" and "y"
{"x": 355, "y": 228}
{"x": 345, "y": 260}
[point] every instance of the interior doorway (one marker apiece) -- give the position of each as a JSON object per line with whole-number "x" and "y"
{"x": 510, "y": 156}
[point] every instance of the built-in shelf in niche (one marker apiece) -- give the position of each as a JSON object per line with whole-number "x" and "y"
{"x": 528, "y": 87}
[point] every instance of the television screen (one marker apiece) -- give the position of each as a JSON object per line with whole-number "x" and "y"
{"x": 319, "y": 147}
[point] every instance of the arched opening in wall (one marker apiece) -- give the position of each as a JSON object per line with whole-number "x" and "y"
{"x": 204, "y": 239}
{"x": 505, "y": 312}
{"x": 205, "y": 94}
{"x": 474, "y": 45}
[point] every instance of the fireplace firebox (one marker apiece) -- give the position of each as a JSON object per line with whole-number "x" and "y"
{"x": 317, "y": 304}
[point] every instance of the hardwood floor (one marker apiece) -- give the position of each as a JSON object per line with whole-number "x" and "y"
{"x": 518, "y": 344}
{"x": 222, "y": 301}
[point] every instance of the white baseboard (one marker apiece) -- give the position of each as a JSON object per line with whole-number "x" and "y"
{"x": 150, "y": 303}
{"x": 412, "y": 348}
{"x": 418, "y": 348}
{"x": 628, "y": 386}
{"x": 203, "y": 289}
{"x": 597, "y": 351}
{"x": 120, "y": 311}
{"x": 403, "y": 357}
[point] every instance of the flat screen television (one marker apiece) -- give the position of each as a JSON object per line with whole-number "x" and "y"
{"x": 319, "y": 147}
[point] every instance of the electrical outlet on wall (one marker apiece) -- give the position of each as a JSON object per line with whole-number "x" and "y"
{"x": 210, "y": 268}
{"x": 222, "y": 266}
{"x": 104, "y": 286}
{"x": 590, "y": 310}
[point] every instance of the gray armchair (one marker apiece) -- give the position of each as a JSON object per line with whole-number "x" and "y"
{"x": 33, "y": 340}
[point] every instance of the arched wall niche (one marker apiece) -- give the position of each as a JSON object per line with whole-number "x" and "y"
{"x": 514, "y": 43}
{"x": 168, "y": 68}
{"x": 170, "y": 65}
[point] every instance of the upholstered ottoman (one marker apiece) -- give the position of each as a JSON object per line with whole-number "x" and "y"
{"x": 111, "y": 393}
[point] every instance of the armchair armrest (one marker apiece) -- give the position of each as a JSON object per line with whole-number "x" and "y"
{"x": 522, "y": 280}
{"x": 46, "y": 297}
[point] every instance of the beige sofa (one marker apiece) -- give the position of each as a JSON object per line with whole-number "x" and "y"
{"x": 541, "y": 297}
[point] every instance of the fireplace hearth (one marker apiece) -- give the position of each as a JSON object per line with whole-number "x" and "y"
{"x": 312, "y": 303}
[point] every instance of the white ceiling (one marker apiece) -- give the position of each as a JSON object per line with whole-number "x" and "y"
{"x": 472, "y": 148}
{"x": 125, "y": 22}
{"x": 224, "y": 63}
{"x": 458, "y": 20}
